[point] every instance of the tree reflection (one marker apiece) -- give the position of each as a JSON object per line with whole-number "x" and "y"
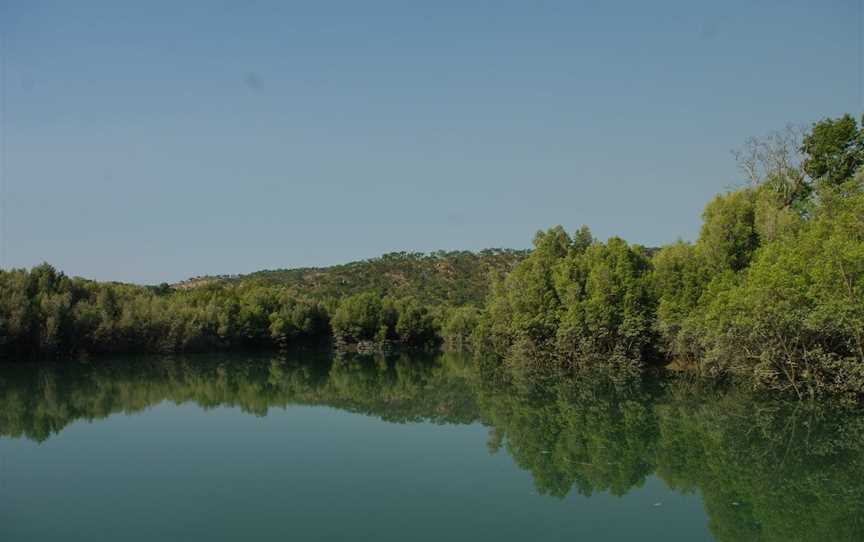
{"x": 765, "y": 469}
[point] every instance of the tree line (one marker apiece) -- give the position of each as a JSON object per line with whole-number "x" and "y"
{"x": 771, "y": 292}
{"x": 44, "y": 313}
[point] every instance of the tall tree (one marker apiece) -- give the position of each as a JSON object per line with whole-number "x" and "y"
{"x": 834, "y": 149}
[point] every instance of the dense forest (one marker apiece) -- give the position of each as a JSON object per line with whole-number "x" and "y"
{"x": 767, "y": 469}
{"x": 770, "y": 294}
{"x": 409, "y": 298}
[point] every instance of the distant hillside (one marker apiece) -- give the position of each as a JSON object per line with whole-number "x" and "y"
{"x": 455, "y": 278}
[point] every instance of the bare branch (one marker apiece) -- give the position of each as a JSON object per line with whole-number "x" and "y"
{"x": 776, "y": 157}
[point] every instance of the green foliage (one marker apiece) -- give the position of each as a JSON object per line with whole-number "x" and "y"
{"x": 358, "y": 318}
{"x": 608, "y": 306}
{"x": 45, "y": 313}
{"x": 415, "y": 325}
{"x": 770, "y": 293}
{"x": 368, "y": 318}
{"x": 776, "y": 215}
{"x": 728, "y": 237}
{"x": 587, "y": 301}
{"x": 296, "y": 318}
{"x": 525, "y": 303}
{"x": 835, "y": 149}
{"x": 678, "y": 280}
{"x": 794, "y": 320}
{"x": 459, "y": 326}
{"x": 440, "y": 278}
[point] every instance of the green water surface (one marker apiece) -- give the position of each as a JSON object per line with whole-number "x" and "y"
{"x": 317, "y": 447}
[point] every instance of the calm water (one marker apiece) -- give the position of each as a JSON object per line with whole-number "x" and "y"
{"x": 309, "y": 448}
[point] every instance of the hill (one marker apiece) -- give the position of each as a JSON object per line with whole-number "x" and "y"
{"x": 451, "y": 278}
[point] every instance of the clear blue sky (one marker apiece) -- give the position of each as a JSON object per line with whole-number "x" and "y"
{"x": 152, "y": 141}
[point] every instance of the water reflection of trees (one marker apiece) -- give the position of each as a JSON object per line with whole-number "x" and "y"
{"x": 766, "y": 470}
{"x": 581, "y": 436}
{"x": 39, "y": 400}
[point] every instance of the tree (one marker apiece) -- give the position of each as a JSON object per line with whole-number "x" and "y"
{"x": 582, "y": 239}
{"x": 834, "y": 149}
{"x": 415, "y": 325}
{"x": 793, "y": 321}
{"x": 678, "y": 280}
{"x": 459, "y": 326}
{"x": 609, "y": 307}
{"x": 728, "y": 237}
{"x": 358, "y": 318}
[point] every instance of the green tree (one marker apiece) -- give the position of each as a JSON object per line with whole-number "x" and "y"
{"x": 728, "y": 237}
{"x": 834, "y": 149}
{"x": 415, "y": 325}
{"x": 358, "y": 318}
{"x": 678, "y": 279}
{"x": 459, "y": 326}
